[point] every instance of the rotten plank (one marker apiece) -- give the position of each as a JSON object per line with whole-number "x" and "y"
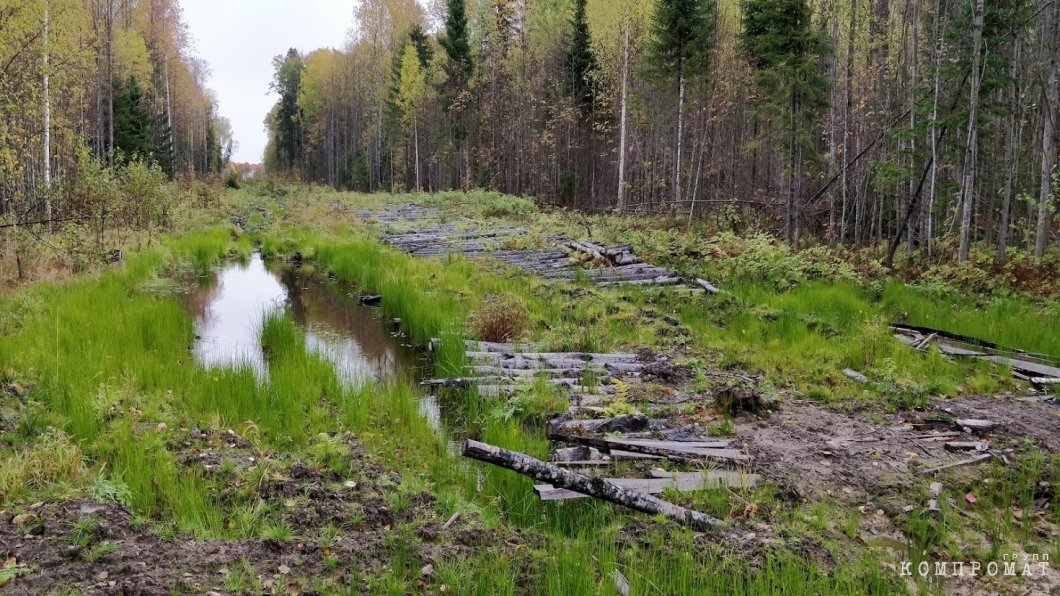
{"x": 676, "y": 453}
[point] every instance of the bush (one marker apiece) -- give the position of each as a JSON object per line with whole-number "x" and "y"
{"x": 499, "y": 318}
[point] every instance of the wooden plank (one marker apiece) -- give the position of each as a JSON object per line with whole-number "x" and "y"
{"x": 596, "y": 487}
{"x": 682, "y": 481}
{"x": 963, "y": 462}
{"x": 711, "y": 444}
{"x": 681, "y": 454}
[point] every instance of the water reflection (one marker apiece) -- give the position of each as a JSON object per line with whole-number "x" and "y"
{"x": 230, "y": 310}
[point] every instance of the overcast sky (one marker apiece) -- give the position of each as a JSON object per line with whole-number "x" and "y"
{"x": 238, "y": 39}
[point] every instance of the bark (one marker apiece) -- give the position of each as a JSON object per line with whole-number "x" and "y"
{"x": 621, "y": 205}
{"x": 1050, "y": 108}
{"x": 47, "y": 116}
{"x": 1014, "y": 136}
{"x": 595, "y": 487}
{"x": 680, "y": 137}
{"x": 971, "y": 151}
{"x": 929, "y": 211}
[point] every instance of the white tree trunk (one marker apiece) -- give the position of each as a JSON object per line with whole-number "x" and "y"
{"x": 971, "y": 154}
{"x": 929, "y": 215}
{"x": 621, "y": 205}
{"x": 416, "y": 142}
{"x": 47, "y": 115}
{"x": 680, "y": 137}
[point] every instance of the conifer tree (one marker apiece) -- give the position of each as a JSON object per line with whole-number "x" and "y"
{"x": 132, "y": 122}
{"x": 785, "y": 49}
{"x": 455, "y": 43}
{"x": 581, "y": 62}
{"x": 682, "y": 37}
{"x": 287, "y": 120}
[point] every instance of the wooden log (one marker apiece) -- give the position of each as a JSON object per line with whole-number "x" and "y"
{"x": 853, "y": 374}
{"x": 677, "y": 452}
{"x": 492, "y": 346}
{"x": 976, "y": 425}
{"x": 965, "y": 446}
{"x": 566, "y": 357}
{"x": 662, "y": 280}
{"x": 460, "y": 382}
{"x": 534, "y": 372}
{"x": 595, "y": 487}
{"x": 706, "y": 285}
{"x": 628, "y": 423}
{"x": 452, "y": 520}
{"x": 682, "y": 481}
{"x": 677, "y": 445}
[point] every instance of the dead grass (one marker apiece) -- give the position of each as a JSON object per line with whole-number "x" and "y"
{"x": 53, "y": 459}
{"x": 500, "y": 317}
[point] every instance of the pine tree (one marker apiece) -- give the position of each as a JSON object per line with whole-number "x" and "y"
{"x": 682, "y": 37}
{"x": 581, "y": 62}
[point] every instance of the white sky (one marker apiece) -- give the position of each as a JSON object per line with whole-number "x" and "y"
{"x": 239, "y": 38}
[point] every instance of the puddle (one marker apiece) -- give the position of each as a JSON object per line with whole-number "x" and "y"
{"x": 229, "y": 313}
{"x": 231, "y": 308}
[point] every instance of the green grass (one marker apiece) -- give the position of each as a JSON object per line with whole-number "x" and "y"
{"x": 1008, "y": 321}
{"x": 111, "y": 361}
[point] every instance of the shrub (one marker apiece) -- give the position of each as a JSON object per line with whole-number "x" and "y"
{"x": 499, "y": 318}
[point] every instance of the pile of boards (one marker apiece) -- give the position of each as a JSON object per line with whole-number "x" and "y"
{"x": 1037, "y": 369}
{"x": 563, "y": 259}
{"x": 586, "y": 444}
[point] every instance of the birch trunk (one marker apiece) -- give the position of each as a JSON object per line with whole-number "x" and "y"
{"x": 971, "y": 153}
{"x": 929, "y": 214}
{"x": 680, "y": 136}
{"x": 47, "y": 117}
{"x": 621, "y": 204}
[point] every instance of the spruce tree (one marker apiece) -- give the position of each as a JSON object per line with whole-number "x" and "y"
{"x": 581, "y": 62}
{"x": 287, "y": 83}
{"x": 132, "y": 121}
{"x": 784, "y": 47}
{"x": 455, "y": 42}
{"x": 418, "y": 37}
{"x": 682, "y": 37}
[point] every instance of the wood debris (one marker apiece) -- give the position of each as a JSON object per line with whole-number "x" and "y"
{"x": 580, "y": 483}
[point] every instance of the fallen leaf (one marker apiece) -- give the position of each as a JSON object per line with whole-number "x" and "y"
{"x": 970, "y": 497}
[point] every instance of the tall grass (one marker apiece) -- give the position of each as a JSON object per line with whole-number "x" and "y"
{"x": 1008, "y": 321}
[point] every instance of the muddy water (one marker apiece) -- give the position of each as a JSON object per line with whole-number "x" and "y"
{"x": 231, "y": 308}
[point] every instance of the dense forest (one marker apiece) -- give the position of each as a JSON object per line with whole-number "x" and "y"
{"x": 925, "y": 123}
{"x": 86, "y": 85}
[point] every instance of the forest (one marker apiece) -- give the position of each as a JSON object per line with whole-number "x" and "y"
{"x": 92, "y": 89}
{"x": 856, "y": 122}
{"x": 530, "y": 297}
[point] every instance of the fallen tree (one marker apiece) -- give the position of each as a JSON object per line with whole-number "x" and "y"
{"x": 586, "y": 485}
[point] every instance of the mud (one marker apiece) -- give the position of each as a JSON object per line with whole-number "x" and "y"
{"x": 145, "y": 561}
{"x": 814, "y": 451}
